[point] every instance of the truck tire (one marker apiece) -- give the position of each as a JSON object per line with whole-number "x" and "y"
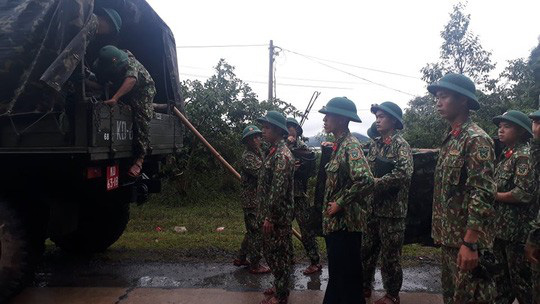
{"x": 101, "y": 223}
{"x": 16, "y": 266}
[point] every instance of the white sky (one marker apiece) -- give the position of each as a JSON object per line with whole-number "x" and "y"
{"x": 395, "y": 36}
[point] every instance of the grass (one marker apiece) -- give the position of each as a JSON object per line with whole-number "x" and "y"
{"x": 150, "y": 234}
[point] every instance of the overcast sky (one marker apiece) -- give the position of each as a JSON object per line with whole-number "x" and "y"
{"x": 393, "y": 36}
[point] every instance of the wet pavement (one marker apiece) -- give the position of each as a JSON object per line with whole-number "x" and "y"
{"x": 424, "y": 278}
{"x": 70, "y": 280}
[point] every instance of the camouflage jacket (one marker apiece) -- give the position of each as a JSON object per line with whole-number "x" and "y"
{"x": 391, "y": 194}
{"x": 514, "y": 174}
{"x": 250, "y": 163}
{"x": 464, "y": 187}
{"x": 144, "y": 85}
{"x": 534, "y": 235}
{"x": 300, "y": 183}
{"x": 348, "y": 182}
{"x": 275, "y": 186}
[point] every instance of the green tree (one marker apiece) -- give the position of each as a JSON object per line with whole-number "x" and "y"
{"x": 462, "y": 52}
{"x": 220, "y": 108}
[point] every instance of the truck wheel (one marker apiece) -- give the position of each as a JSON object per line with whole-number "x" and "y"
{"x": 16, "y": 267}
{"x": 101, "y": 223}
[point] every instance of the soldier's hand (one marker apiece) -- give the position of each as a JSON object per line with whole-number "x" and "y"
{"x": 333, "y": 208}
{"x": 536, "y": 128}
{"x": 467, "y": 259}
{"x": 268, "y": 227}
{"x": 111, "y": 102}
{"x": 532, "y": 254}
{"x": 291, "y": 139}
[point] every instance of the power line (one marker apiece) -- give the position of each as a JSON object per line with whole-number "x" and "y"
{"x": 352, "y": 65}
{"x": 285, "y": 77}
{"x": 351, "y": 74}
{"x": 281, "y": 84}
{"x": 219, "y": 46}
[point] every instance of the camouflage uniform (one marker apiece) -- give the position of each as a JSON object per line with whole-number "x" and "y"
{"x": 534, "y": 234}
{"x": 302, "y": 209}
{"x": 513, "y": 174}
{"x": 348, "y": 181}
{"x": 463, "y": 199}
{"x": 251, "y": 164}
{"x": 140, "y": 99}
{"x": 276, "y": 203}
{"x": 386, "y": 220}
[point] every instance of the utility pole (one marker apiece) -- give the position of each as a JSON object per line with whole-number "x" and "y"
{"x": 271, "y": 72}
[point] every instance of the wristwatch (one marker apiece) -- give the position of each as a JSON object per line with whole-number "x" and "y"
{"x": 471, "y": 246}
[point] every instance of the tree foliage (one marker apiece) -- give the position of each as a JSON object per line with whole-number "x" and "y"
{"x": 462, "y": 53}
{"x": 220, "y": 108}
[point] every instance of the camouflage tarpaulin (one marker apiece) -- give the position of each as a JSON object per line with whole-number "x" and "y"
{"x": 43, "y": 41}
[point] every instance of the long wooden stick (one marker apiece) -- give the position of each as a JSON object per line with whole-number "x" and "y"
{"x": 225, "y": 164}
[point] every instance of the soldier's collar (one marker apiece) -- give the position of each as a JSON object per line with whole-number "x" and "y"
{"x": 455, "y": 131}
{"x": 508, "y": 152}
{"x": 339, "y": 140}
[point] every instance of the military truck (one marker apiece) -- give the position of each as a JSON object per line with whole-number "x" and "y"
{"x": 64, "y": 154}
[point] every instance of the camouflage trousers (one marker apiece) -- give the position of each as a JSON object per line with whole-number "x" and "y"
{"x": 278, "y": 252}
{"x": 142, "y": 110}
{"x": 302, "y": 216}
{"x": 514, "y": 278}
{"x": 460, "y": 287}
{"x": 384, "y": 238}
{"x": 252, "y": 244}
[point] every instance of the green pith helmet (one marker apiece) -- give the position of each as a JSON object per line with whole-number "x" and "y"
{"x": 250, "y": 130}
{"x": 111, "y": 59}
{"x": 114, "y": 17}
{"x": 275, "y": 118}
{"x": 535, "y": 115}
{"x": 457, "y": 83}
{"x": 516, "y": 117}
{"x": 372, "y": 131}
{"x": 293, "y": 122}
{"x": 391, "y": 108}
{"x": 341, "y": 106}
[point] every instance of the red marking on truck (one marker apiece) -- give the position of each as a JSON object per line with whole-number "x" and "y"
{"x": 112, "y": 177}
{"x": 93, "y": 172}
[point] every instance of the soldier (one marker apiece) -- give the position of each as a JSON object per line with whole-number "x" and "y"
{"x": 301, "y": 204}
{"x": 390, "y": 160}
{"x": 463, "y": 195}
{"x": 348, "y": 182}
{"x": 515, "y": 207}
{"x": 276, "y": 205}
{"x": 372, "y": 132}
{"x": 532, "y": 249}
{"x": 109, "y": 22}
{"x": 251, "y": 164}
{"x": 135, "y": 85}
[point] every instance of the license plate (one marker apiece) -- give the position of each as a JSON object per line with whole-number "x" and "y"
{"x": 112, "y": 177}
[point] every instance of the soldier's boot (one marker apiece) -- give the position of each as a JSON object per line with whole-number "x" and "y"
{"x": 238, "y": 262}
{"x": 259, "y": 269}
{"x": 274, "y": 300}
{"x": 313, "y": 268}
{"x": 270, "y": 291}
{"x": 388, "y": 299}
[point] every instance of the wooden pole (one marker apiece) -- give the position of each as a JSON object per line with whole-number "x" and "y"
{"x": 271, "y": 72}
{"x": 227, "y": 166}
